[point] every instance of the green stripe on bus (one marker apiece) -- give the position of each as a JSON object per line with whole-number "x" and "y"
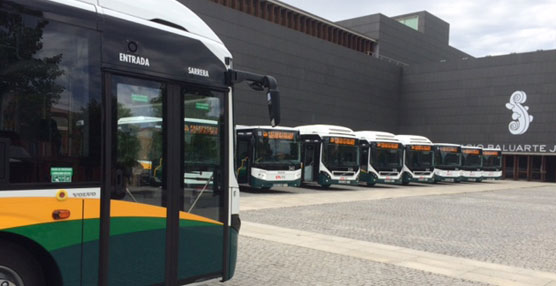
{"x": 63, "y": 234}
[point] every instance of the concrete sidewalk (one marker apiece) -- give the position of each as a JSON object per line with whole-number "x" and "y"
{"x": 456, "y": 267}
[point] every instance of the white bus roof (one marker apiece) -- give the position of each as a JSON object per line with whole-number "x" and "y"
{"x": 151, "y": 119}
{"x": 323, "y": 130}
{"x": 471, "y": 147}
{"x": 414, "y": 140}
{"x": 492, "y": 149}
{"x": 167, "y": 15}
{"x": 447, "y": 144}
{"x": 377, "y": 136}
{"x": 268, "y": 127}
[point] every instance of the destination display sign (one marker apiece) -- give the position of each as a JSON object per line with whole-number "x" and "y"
{"x": 492, "y": 153}
{"x": 388, "y": 145}
{"x": 283, "y": 135}
{"x": 201, "y": 129}
{"x": 421, "y": 147}
{"x": 471, "y": 151}
{"x": 342, "y": 141}
{"x": 448, "y": 149}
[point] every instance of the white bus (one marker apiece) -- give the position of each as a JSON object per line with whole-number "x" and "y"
{"x": 447, "y": 162}
{"x": 381, "y": 158}
{"x": 330, "y": 155}
{"x": 472, "y": 164}
{"x": 418, "y": 159}
{"x": 268, "y": 157}
{"x": 492, "y": 164}
{"x": 117, "y": 143}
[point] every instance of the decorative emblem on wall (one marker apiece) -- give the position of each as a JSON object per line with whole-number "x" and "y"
{"x": 520, "y": 115}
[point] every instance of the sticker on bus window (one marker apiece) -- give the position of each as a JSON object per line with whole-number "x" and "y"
{"x": 61, "y": 175}
{"x": 139, "y": 98}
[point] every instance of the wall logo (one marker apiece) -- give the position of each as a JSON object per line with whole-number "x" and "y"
{"x": 520, "y": 115}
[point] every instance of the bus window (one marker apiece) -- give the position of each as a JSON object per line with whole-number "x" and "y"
{"x": 49, "y": 100}
{"x": 242, "y": 158}
{"x": 139, "y": 139}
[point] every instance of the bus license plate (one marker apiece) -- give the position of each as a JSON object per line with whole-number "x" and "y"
{"x": 449, "y": 180}
{"x": 422, "y": 179}
{"x": 280, "y": 185}
{"x": 388, "y": 181}
{"x": 343, "y": 182}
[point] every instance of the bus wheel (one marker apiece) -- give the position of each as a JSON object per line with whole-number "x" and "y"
{"x": 370, "y": 184}
{"x": 18, "y": 267}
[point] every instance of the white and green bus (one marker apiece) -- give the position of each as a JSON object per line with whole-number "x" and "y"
{"x": 116, "y": 144}
{"x": 472, "y": 164}
{"x": 447, "y": 162}
{"x": 330, "y": 155}
{"x": 418, "y": 159}
{"x": 268, "y": 157}
{"x": 381, "y": 158}
{"x": 492, "y": 164}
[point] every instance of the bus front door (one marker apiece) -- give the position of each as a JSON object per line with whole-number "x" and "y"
{"x": 310, "y": 161}
{"x": 165, "y": 184}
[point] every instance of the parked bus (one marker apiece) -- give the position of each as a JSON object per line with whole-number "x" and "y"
{"x": 447, "y": 162}
{"x": 492, "y": 164}
{"x": 330, "y": 155}
{"x": 472, "y": 164}
{"x": 106, "y": 108}
{"x": 418, "y": 159}
{"x": 268, "y": 157}
{"x": 381, "y": 158}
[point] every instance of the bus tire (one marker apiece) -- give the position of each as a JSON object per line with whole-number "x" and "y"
{"x": 16, "y": 263}
{"x": 370, "y": 184}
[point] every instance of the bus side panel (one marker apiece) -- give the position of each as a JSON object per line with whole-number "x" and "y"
{"x": 33, "y": 218}
{"x": 137, "y": 236}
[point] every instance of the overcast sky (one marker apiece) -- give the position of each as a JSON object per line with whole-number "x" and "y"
{"x": 477, "y": 27}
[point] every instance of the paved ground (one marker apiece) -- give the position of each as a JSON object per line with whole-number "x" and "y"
{"x": 501, "y": 233}
{"x": 515, "y": 227}
{"x": 263, "y": 263}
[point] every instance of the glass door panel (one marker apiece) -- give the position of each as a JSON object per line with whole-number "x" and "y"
{"x": 138, "y": 215}
{"x": 201, "y": 222}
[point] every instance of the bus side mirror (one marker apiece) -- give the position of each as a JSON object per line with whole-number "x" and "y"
{"x": 273, "y": 97}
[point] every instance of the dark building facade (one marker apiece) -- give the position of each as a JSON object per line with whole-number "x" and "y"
{"x": 394, "y": 74}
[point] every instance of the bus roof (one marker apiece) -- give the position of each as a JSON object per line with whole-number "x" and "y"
{"x": 377, "y": 136}
{"x": 152, "y": 119}
{"x": 492, "y": 149}
{"x": 167, "y": 15}
{"x": 447, "y": 144}
{"x": 471, "y": 147}
{"x": 267, "y": 127}
{"x": 414, "y": 140}
{"x": 323, "y": 130}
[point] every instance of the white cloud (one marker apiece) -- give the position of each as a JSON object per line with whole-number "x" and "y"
{"x": 477, "y": 27}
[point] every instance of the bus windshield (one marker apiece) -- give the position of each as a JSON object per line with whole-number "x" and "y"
{"x": 492, "y": 161}
{"x": 340, "y": 153}
{"x": 471, "y": 158}
{"x": 447, "y": 157}
{"x": 277, "y": 147}
{"x": 386, "y": 156}
{"x": 419, "y": 157}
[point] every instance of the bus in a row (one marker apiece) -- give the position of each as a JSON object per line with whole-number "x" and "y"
{"x": 328, "y": 154}
{"x": 116, "y": 144}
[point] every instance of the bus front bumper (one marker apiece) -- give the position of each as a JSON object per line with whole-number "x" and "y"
{"x": 263, "y": 184}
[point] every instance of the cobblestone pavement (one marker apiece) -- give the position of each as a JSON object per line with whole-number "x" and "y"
{"x": 264, "y": 263}
{"x": 513, "y": 227}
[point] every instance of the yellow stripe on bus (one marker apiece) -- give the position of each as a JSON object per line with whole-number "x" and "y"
{"x": 18, "y": 212}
